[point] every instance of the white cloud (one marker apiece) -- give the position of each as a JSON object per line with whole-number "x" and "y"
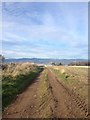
{"x": 42, "y": 35}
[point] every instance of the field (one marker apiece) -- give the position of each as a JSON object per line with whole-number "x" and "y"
{"x": 30, "y": 91}
{"x": 75, "y": 78}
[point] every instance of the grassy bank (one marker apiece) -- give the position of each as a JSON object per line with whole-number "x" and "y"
{"x": 13, "y": 85}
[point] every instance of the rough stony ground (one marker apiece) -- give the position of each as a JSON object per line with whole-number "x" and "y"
{"x": 47, "y": 98}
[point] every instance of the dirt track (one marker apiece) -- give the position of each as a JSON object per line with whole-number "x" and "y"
{"x": 47, "y": 98}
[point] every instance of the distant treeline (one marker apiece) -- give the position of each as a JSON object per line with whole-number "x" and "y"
{"x": 56, "y": 64}
{"x": 73, "y": 64}
{"x": 79, "y": 64}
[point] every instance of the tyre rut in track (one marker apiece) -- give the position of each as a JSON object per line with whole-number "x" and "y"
{"x": 25, "y": 104}
{"x": 47, "y": 98}
{"x": 35, "y": 102}
{"x": 66, "y": 103}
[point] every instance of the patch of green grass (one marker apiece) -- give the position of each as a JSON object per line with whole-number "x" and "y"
{"x": 11, "y": 86}
{"x": 67, "y": 80}
{"x": 63, "y": 76}
{"x": 46, "y": 77}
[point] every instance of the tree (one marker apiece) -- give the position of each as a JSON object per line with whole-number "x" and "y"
{"x": 59, "y": 64}
{"x": 2, "y": 58}
{"x": 53, "y": 63}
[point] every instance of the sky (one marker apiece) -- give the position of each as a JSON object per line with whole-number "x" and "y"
{"x": 45, "y": 30}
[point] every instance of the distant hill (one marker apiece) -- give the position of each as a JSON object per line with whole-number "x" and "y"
{"x": 45, "y": 61}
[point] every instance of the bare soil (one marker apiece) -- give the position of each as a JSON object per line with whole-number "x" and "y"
{"x": 47, "y": 98}
{"x": 67, "y": 103}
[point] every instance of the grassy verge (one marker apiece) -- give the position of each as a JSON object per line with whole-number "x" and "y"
{"x": 44, "y": 97}
{"x": 11, "y": 86}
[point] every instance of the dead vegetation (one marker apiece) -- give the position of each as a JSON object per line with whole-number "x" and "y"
{"x": 58, "y": 92}
{"x": 15, "y": 78}
{"x": 15, "y": 69}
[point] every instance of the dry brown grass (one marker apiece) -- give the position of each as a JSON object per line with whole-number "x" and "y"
{"x": 15, "y": 69}
{"x": 75, "y": 78}
{"x": 16, "y": 77}
{"x": 80, "y": 73}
